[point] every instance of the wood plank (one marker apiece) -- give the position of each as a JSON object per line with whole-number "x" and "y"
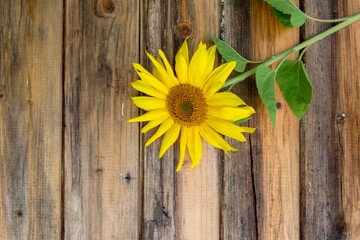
{"x": 275, "y": 150}
{"x": 348, "y": 73}
{"x": 320, "y": 183}
{"x": 31, "y": 119}
{"x": 159, "y": 174}
{"x": 330, "y": 142}
{"x": 238, "y": 205}
{"x": 183, "y": 205}
{"x": 102, "y": 169}
{"x": 197, "y": 205}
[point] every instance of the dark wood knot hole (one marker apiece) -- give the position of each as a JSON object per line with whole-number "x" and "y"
{"x": 184, "y": 30}
{"x": 19, "y": 213}
{"x": 108, "y": 6}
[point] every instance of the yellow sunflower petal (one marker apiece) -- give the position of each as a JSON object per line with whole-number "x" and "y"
{"x": 226, "y": 128}
{"x": 168, "y": 67}
{"x": 154, "y": 82}
{"x": 184, "y": 51}
{"x": 154, "y": 114}
{"x": 210, "y": 61}
{"x": 169, "y": 138}
{"x": 230, "y": 113}
{"x": 140, "y": 68}
{"x": 198, "y": 65}
{"x": 224, "y": 99}
{"x": 149, "y": 103}
{"x": 154, "y": 123}
{"x": 247, "y": 129}
{"x": 219, "y": 75}
{"x": 150, "y": 79}
{"x": 155, "y": 72}
{"x": 213, "y": 138}
{"x": 166, "y": 125}
{"x": 183, "y": 140}
{"x": 167, "y": 80}
{"x": 194, "y": 146}
{"x": 213, "y": 89}
{"x": 141, "y": 86}
{"x": 181, "y": 68}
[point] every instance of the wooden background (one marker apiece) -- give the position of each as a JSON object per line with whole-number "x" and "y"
{"x": 71, "y": 167}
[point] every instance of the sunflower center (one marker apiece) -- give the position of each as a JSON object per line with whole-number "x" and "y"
{"x": 187, "y": 105}
{"x": 186, "y": 108}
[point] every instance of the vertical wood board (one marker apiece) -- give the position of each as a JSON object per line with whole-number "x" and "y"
{"x": 329, "y": 139}
{"x": 159, "y": 174}
{"x": 348, "y": 59}
{"x": 102, "y": 180}
{"x": 31, "y": 119}
{"x": 275, "y": 149}
{"x": 197, "y": 190}
{"x": 238, "y": 205}
{"x": 183, "y": 205}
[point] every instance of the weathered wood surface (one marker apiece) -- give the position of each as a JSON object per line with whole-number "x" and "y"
{"x": 330, "y": 173}
{"x": 183, "y": 205}
{"x": 261, "y": 180}
{"x": 101, "y": 150}
{"x": 159, "y": 174}
{"x": 31, "y": 119}
{"x": 275, "y": 150}
{"x": 238, "y": 203}
{"x": 64, "y": 107}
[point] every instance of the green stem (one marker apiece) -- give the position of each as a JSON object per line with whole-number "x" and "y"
{"x": 282, "y": 61}
{"x": 295, "y": 49}
{"x": 328, "y": 20}
{"x": 303, "y": 52}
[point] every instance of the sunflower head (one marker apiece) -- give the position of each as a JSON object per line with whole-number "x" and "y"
{"x": 188, "y": 104}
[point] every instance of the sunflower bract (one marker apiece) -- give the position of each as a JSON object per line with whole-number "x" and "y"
{"x": 188, "y": 105}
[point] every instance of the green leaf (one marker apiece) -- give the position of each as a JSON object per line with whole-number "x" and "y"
{"x": 295, "y": 86}
{"x": 243, "y": 120}
{"x": 283, "y": 18}
{"x": 229, "y": 54}
{"x": 297, "y": 18}
{"x": 265, "y": 82}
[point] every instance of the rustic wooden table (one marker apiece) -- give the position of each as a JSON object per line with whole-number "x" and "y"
{"x": 71, "y": 167}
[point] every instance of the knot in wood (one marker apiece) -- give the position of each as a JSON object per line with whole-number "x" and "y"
{"x": 108, "y": 6}
{"x": 105, "y": 8}
{"x": 2, "y": 87}
{"x": 99, "y": 171}
{"x": 184, "y": 30}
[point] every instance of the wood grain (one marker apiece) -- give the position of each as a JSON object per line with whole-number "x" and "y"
{"x": 275, "y": 150}
{"x": 238, "y": 205}
{"x": 197, "y": 190}
{"x": 31, "y": 119}
{"x": 329, "y": 141}
{"x": 348, "y": 59}
{"x": 159, "y": 174}
{"x": 64, "y": 106}
{"x": 183, "y": 205}
{"x": 320, "y": 182}
{"x": 101, "y": 150}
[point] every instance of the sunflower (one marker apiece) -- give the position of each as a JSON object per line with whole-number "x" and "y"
{"x": 189, "y": 104}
